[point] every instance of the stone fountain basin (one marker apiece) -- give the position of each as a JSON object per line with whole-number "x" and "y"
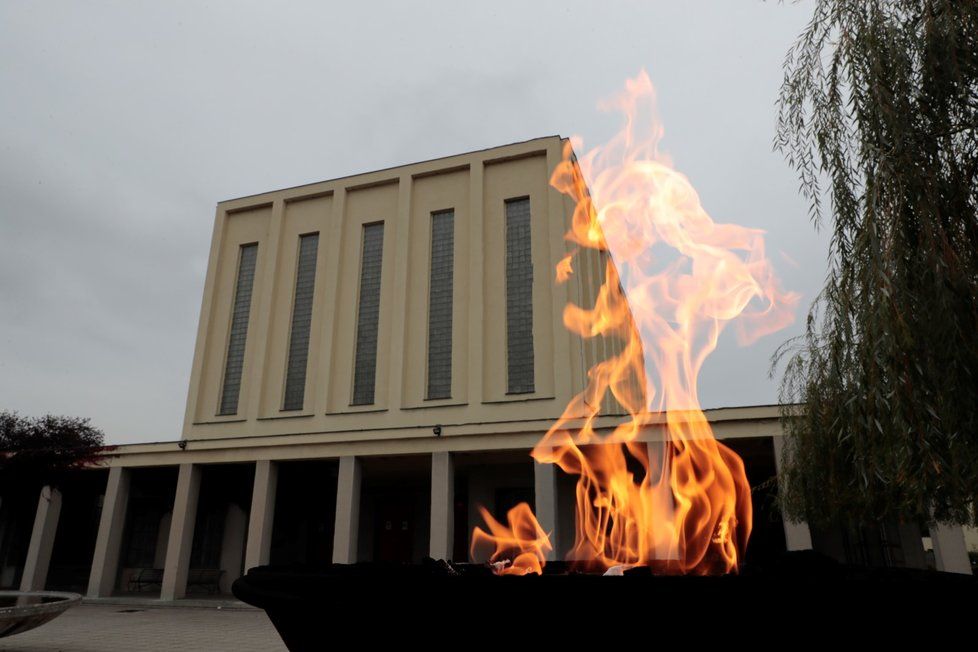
{"x": 21, "y": 611}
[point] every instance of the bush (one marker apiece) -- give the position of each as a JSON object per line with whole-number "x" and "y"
{"x": 40, "y": 450}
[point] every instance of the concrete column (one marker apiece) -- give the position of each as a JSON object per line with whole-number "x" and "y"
{"x": 42, "y": 540}
{"x": 950, "y": 551}
{"x": 262, "y": 516}
{"x": 3, "y": 533}
{"x": 232, "y": 546}
{"x": 347, "y": 511}
{"x": 181, "y": 537}
{"x": 108, "y": 543}
{"x": 797, "y": 536}
{"x": 912, "y": 545}
{"x": 442, "y": 542}
{"x": 162, "y": 539}
{"x": 545, "y": 496}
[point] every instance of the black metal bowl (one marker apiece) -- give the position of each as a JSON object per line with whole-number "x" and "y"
{"x": 314, "y": 607}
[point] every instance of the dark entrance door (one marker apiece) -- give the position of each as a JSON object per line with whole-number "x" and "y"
{"x": 395, "y": 528}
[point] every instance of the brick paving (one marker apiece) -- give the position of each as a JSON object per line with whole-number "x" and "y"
{"x": 108, "y": 628}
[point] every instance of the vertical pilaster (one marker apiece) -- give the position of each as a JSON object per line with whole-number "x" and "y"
{"x": 545, "y": 496}
{"x": 565, "y": 368}
{"x": 108, "y": 543}
{"x": 207, "y": 308}
{"x": 402, "y": 254}
{"x": 181, "y": 537}
{"x": 42, "y": 540}
{"x": 476, "y": 282}
{"x": 347, "y": 511}
{"x": 797, "y": 536}
{"x": 264, "y": 288}
{"x": 442, "y": 506}
{"x": 329, "y": 308}
{"x": 262, "y": 516}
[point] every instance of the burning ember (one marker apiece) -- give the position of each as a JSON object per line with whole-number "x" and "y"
{"x": 658, "y": 490}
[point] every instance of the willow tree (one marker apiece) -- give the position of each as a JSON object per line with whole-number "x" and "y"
{"x": 878, "y": 114}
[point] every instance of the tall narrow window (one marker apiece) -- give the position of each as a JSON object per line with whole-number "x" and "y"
{"x": 519, "y": 297}
{"x": 368, "y": 314}
{"x": 440, "y": 287}
{"x": 305, "y": 285}
{"x": 234, "y": 362}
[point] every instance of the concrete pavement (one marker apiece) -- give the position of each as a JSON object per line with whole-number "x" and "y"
{"x": 125, "y": 628}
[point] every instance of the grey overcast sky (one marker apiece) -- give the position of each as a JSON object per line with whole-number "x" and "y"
{"x": 122, "y": 124}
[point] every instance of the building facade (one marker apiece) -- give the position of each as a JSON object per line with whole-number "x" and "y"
{"x": 376, "y": 356}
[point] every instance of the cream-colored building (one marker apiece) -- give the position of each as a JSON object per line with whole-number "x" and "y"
{"x": 376, "y": 356}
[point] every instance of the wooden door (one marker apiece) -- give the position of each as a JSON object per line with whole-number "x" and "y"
{"x": 395, "y": 529}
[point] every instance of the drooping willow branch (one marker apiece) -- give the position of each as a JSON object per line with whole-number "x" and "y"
{"x": 877, "y": 114}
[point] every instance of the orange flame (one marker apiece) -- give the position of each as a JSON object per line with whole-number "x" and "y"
{"x": 565, "y": 268}
{"x": 519, "y": 548}
{"x": 659, "y": 489}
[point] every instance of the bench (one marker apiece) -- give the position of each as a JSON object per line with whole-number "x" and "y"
{"x": 68, "y": 578}
{"x": 207, "y": 578}
{"x": 143, "y": 577}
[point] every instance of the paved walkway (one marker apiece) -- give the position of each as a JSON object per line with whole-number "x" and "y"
{"x": 111, "y": 628}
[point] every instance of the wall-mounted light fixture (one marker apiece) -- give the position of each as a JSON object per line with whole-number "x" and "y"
{"x": 437, "y": 431}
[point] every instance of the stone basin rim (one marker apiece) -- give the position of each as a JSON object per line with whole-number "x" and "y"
{"x": 62, "y": 600}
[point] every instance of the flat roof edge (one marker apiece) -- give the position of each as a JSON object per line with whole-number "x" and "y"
{"x": 391, "y": 168}
{"x": 772, "y": 411}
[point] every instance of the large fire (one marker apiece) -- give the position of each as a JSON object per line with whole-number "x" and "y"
{"x": 658, "y": 489}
